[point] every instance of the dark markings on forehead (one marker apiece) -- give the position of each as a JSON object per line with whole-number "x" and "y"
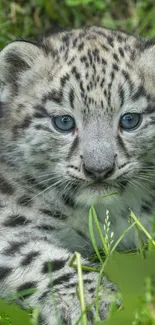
{"x": 121, "y": 95}
{"x": 64, "y": 79}
{"x": 112, "y": 75}
{"x": 71, "y": 97}
{"x": 128, "y": 79}
{"x": 116, "y": 58}
{"x": 104, "y": 47}
{"x": 80, "y": 46}
{"x": 76, "y": 73}
{"x": 115, "y": 67}
{"x": 66, "y": 39}
{"x": 73, "y": 147}
{"x": 54, "y": 95}
{"x": 71, "y": 60}
{"x": 140, "y": 92}
{"x": 122, "y": 146}
{"x": 5, "y": 186}
{"x": 110, "y": 41}
{"x": 121, "y": 52}
{"x": 40, "y": 112}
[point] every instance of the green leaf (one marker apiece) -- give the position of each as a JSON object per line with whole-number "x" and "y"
{"x": 129, "y": 272}
{"x": 14, "y": 313}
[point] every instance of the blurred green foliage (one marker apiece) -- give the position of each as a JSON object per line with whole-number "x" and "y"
{"x": 30, "y": 19}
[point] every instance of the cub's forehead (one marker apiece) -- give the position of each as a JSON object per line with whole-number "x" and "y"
{"x": 92, "y": 67}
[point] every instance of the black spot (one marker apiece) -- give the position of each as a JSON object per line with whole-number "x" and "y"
{"x": 42, "y": 127}
{"x": 54, "y": 214}
{"x": 40, "y": 112}
{"x": 27, "y": 286}
{"x": 54, "y": 95}
{"x": 115, "y": 67}
{"x": 62, "y": 279}
{"x": 40, "y": 166}
{"x": 68, "y": 201}
{"x": 28, "y": 259}
{"x": 45, "y": 227}
{"x": 110, "y": 41}
{"x": 4, "y": 272}
{"x": 76, "y": 73}
{"x": 25, "y": 200}
{"x": 80, "y": 46}
{"x": 54, "y": 265}
{"x": 71, "y": 97}
{"x": 121, "y": 52}
{"x": 44, "y": 295}
{"x": 105, "y": 47}
{"x": 5, "y": 187}
{"x": 15, "y": 221}
{"x": 121, "y": 95}
{"x": 139, "y": 93}
{"x": 13, "y": 248}
{"x": 127, "y": 78}
{"x": 25, "y": 124}
{"x": 71, "y": 60}
{"x": 64, "y": 79}
{"x": 115, "y": 56}
{"x": 66, "y": 38}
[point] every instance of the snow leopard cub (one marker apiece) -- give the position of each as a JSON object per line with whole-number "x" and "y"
{"x": 77, "y": 114}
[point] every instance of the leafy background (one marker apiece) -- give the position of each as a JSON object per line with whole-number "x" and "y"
{"x": 133, "y": 274}
{"x": 31, "y": 19}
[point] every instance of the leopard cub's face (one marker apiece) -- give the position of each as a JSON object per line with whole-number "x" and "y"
{"x": 77, "y": 112}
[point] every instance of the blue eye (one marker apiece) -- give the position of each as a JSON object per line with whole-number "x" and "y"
{"x": 130, "y": 121}
{"x": 64, "y": 123}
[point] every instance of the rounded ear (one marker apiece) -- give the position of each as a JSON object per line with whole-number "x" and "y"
{"x": 15, "y": 58}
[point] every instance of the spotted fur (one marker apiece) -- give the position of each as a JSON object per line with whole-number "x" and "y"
{"x": 49, "y": 179}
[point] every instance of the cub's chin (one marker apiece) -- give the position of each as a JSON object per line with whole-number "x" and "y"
{"x": 95, "y": 193}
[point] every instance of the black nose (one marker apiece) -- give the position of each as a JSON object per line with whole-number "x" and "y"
{"x": 96, "y": 173}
